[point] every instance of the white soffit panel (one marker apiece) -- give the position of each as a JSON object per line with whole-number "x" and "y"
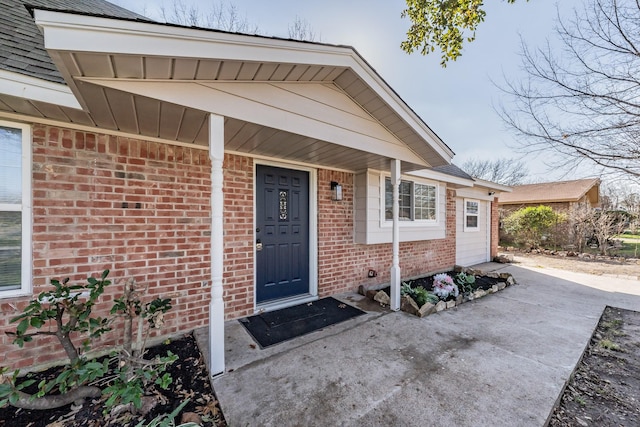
{"x": 334, "y": 117}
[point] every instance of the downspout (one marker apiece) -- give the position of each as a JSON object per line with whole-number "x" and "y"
{"x": 395, "y": 265}
{"x": 216, "y": 306}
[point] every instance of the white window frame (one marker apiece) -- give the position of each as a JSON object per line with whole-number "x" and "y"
{"x": 471, "y": 214}
{"x": 384, "y": 222}
{"x": 25, "y": 207}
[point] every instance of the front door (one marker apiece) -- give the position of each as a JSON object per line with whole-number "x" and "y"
{"x": 282, "y": 233}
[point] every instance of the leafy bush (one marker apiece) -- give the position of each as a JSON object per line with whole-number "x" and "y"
{"x": 67, "y": 309}
{"x": 419, "y": 294}
{"x": 530, "y": 225}
{"x": 134, "y": 377}
{"x": 466, "y": 282}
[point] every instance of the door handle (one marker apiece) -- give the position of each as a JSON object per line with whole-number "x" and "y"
{"x": 258, "y": 245}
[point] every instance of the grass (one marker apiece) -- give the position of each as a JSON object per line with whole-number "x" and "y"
{"x": 629, "y": 249}
{"x": 609, "y": 345}
{"x": 628, "y": 236}
{"x": 612, "y": 324}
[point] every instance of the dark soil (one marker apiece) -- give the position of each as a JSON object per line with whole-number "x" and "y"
{"x": 482, "y": 282}
{"x": 605, "y": 387}
{"x": 190, "y": 381}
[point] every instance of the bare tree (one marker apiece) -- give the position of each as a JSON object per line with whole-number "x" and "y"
{"x": 502, "y": 171}
{"x": 623, "y": 196}
{"x": 221, "y": 16}
{"x": 601, "y": 225}
{"x": 302, "y": 30}
{"x": 580, "y": 216}
{"x": 581, "y": 103}
{"x": 606, "y": 225}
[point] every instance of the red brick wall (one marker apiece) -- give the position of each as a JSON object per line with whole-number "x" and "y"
{"x": 138, "y": 208}
{"x": 343, "y": 265}
{"x": 142, "y": 210}
{"x": 238, "y": 236}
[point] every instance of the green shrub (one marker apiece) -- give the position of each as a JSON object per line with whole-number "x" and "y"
{"x": 419, "y": 294}
{"x": 531, "y": 225}
{"x": 68, "y": 309}
{"x": 466, "y": 282}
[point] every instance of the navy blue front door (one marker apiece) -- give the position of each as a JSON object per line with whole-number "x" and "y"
{"x": 282, "y": 233}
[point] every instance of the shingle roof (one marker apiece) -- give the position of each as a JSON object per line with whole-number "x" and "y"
{"x": 21, "y": 43}
{"x": 452, "y": 170}
{"x": 561, "y": 191}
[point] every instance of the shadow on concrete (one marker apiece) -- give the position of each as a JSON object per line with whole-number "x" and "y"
{"x": 499, "y": 360}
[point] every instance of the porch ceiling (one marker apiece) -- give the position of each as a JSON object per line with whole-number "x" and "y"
{"x": 105, "y": 61}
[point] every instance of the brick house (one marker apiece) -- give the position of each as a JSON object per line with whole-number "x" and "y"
{"x": 231, "y": 173}
{"x": 559, "y": 195}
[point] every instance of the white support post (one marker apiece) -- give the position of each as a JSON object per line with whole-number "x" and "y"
{"x": 216, "y": 306}
{"x": 395, "y": 266}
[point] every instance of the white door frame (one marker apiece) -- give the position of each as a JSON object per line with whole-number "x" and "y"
{"x": 313, "y": 238}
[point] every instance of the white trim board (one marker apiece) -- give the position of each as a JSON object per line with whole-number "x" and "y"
{"x": 35, "y": 89}
{"x": 313, "y": 236}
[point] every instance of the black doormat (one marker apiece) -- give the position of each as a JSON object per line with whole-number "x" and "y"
{"x": 281, "y": 325}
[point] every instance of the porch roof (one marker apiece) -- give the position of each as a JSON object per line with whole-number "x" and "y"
{"x": 299, "y": 101}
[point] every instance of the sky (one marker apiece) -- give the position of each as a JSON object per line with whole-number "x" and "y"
{"x": 457, "y": 102}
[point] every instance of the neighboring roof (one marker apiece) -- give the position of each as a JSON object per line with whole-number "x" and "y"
{"x": 548, "y": 192}
{"x": 21, "y": 43}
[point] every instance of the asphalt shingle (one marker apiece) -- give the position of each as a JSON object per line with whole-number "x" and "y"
{"x": 22, "y": 46}
{"x": 560, "y": 191}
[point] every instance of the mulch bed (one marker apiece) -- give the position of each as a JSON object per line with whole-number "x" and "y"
{"x": 604, "y": 389}
{"x": 482, "y": 282}
{"x": 190, "y": 381}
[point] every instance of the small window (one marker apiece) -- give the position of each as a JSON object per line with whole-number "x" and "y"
{"x": 425, "y": 202}
{"x": 471, "y": 215}
{"x": 15, "y": 211}
{"x": 417, "y": 201}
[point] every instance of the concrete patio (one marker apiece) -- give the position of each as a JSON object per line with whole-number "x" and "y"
{"x": 501, "y": 360}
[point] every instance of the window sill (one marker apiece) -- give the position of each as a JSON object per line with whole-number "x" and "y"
{"x": 411, "y": 224}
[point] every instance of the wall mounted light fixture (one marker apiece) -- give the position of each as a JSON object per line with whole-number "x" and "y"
{"x": 336, "y": 191}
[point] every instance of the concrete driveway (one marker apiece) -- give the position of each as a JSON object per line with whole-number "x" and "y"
{"x": 498, "y": 361}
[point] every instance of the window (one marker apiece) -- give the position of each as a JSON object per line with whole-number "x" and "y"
{"x": 417, "y": 201}
{"x": 15, "y": 210}
{"x": 471, "y": 215}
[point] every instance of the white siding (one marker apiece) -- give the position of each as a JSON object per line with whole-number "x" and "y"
{"x": 472, "y": 247}
{"x": 370, "y": 226}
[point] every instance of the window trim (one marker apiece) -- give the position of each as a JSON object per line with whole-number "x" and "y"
{"x": 26, "y": 287}
{"x": 385, "y": 223}
{"x": 466, "y": 214}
